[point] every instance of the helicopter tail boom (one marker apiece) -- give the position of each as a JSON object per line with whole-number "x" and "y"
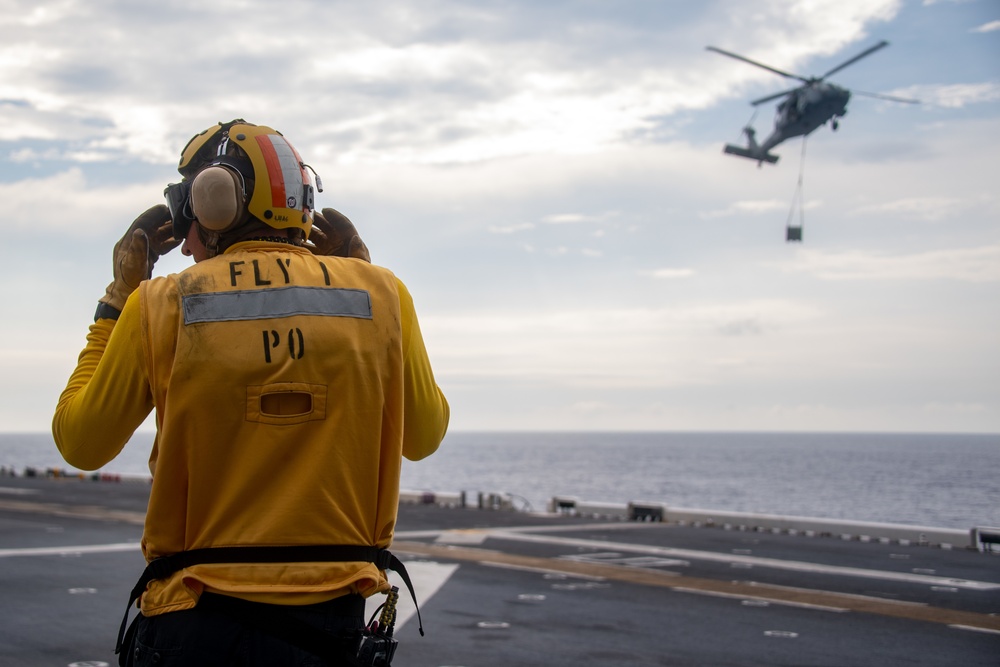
{"x": 753, "y": 151}
{"x": 758, "y": 155}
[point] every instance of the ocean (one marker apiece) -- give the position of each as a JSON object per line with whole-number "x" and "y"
{"x": 941, "y": 480}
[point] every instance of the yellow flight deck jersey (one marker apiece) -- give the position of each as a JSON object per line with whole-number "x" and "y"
{"x": 287, "y": 387}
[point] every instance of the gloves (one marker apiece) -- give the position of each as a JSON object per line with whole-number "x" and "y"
{"x": 334, "y": 234}
{"x": 149, "y": 236}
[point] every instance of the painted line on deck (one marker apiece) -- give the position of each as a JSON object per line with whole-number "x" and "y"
{"x": 74, "y": 511}
{"x": 857, "y": 596}
{"x": 462, "y": 537}
{"x": 427, "y": 578}
{"x": 546, "y": 571}
{"x": 66, "y": 551}
{"x": 15, "y": 491}
{"x": 757, "y": 598}
{"x": 755, "y": 561}
{"x": 528, "y": 534}
{"x": 974, "y": 629}
{"x": 548, "y": 528}
{"x": 646, "y": 577}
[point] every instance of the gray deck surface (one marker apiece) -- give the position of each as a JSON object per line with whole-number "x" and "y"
{"x": 506, "y": 588}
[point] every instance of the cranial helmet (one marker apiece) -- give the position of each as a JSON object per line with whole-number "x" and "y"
{"x": 237, "y": 170}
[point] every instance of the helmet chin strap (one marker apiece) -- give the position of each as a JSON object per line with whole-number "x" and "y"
{"x": 211, "y": 241}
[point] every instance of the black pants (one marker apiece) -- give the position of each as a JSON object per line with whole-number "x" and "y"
{"x": 210, "y": 635}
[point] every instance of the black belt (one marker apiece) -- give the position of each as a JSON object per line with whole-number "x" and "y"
{"x": 163, "y": 567}
{"x": 350, "y": 605}
{"x": 274, "y": 620}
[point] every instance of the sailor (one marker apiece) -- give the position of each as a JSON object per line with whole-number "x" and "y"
{"x": 288, "y": 377}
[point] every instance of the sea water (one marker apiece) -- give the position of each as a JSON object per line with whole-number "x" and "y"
{"x": 941, "y": 480}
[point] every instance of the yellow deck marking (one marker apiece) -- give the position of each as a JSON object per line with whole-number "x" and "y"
{"x": 914, "y": 612}
{"x": 75, "y": 511}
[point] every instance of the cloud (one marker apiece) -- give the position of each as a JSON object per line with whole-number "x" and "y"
{"x": 96, "y": 208}
{"x": 987, "y": 27}
{"x": 951, "y": 96}
{"x": 31, "y": 155}
{"x": 750, "y": 207}
{"x": 750, "y": 326}
{"x": 394, "y": 82}
{"x": 598, "y": 323}
{"x": 576, "y": 218}
{"x": 965, "y": 409}
{"x": 589, "y": 407}
{"x": 753, "y": 207}
{"x": 669, "y": 273}
{"x": 511, "y": 229}
{"x": 928, "y": 209}
{"x": 616, "y": 342}
{"x": 769, "y": 36}
{"x": 977, "y": 265}
{"x": 606, "y": 354}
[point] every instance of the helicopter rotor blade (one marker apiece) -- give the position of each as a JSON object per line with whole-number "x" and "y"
{"x": 886, "y": 97}
{"x": 866, "y": 52}
{"x": 754, "y": 62}
{"x": 775, "y": 96}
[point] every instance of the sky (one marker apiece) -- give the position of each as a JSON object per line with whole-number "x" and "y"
{"x": 548, "y": 180}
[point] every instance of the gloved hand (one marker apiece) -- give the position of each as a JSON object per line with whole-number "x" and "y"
{"x": 334, "y": 234}
{"x": 149, "y": 236}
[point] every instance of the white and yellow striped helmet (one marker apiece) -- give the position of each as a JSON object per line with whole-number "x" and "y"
{"x": 277, "y": 185}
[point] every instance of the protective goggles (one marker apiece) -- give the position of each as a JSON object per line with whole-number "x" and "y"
{"x": 178, "y": 197}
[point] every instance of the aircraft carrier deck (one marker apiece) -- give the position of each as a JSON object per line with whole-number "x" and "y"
{"x": 505, "y": 588}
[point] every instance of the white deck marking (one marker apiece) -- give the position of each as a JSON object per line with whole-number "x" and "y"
{"x": 427, "y": 578}
{"x": 974, "y": 629}
{"x": 527, "y": 534}
{"x": 66, "y": 551}
{"x": 13, "y": 491}
{"x": 549, "y": 572}
{"x": 769, "y": 601}
{"x": 756, "y": 561}
{"x": 462, "y": 537}
{"x": 850, "y": 596}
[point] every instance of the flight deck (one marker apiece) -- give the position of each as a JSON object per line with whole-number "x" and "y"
{"x": 498, "y": 587}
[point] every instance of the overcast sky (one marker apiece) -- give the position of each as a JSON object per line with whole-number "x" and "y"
{"x": 547, "y": 177}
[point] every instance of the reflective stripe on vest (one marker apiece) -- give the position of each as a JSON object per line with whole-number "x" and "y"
{"x": 277, "y": 302}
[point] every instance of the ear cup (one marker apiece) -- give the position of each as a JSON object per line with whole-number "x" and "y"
{"x": 217, "y": 199}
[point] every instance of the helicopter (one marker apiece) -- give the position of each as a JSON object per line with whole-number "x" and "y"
{"x": 804, "y": 109}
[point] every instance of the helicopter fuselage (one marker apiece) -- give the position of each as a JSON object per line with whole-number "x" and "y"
{"x": 806, "y": 109}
